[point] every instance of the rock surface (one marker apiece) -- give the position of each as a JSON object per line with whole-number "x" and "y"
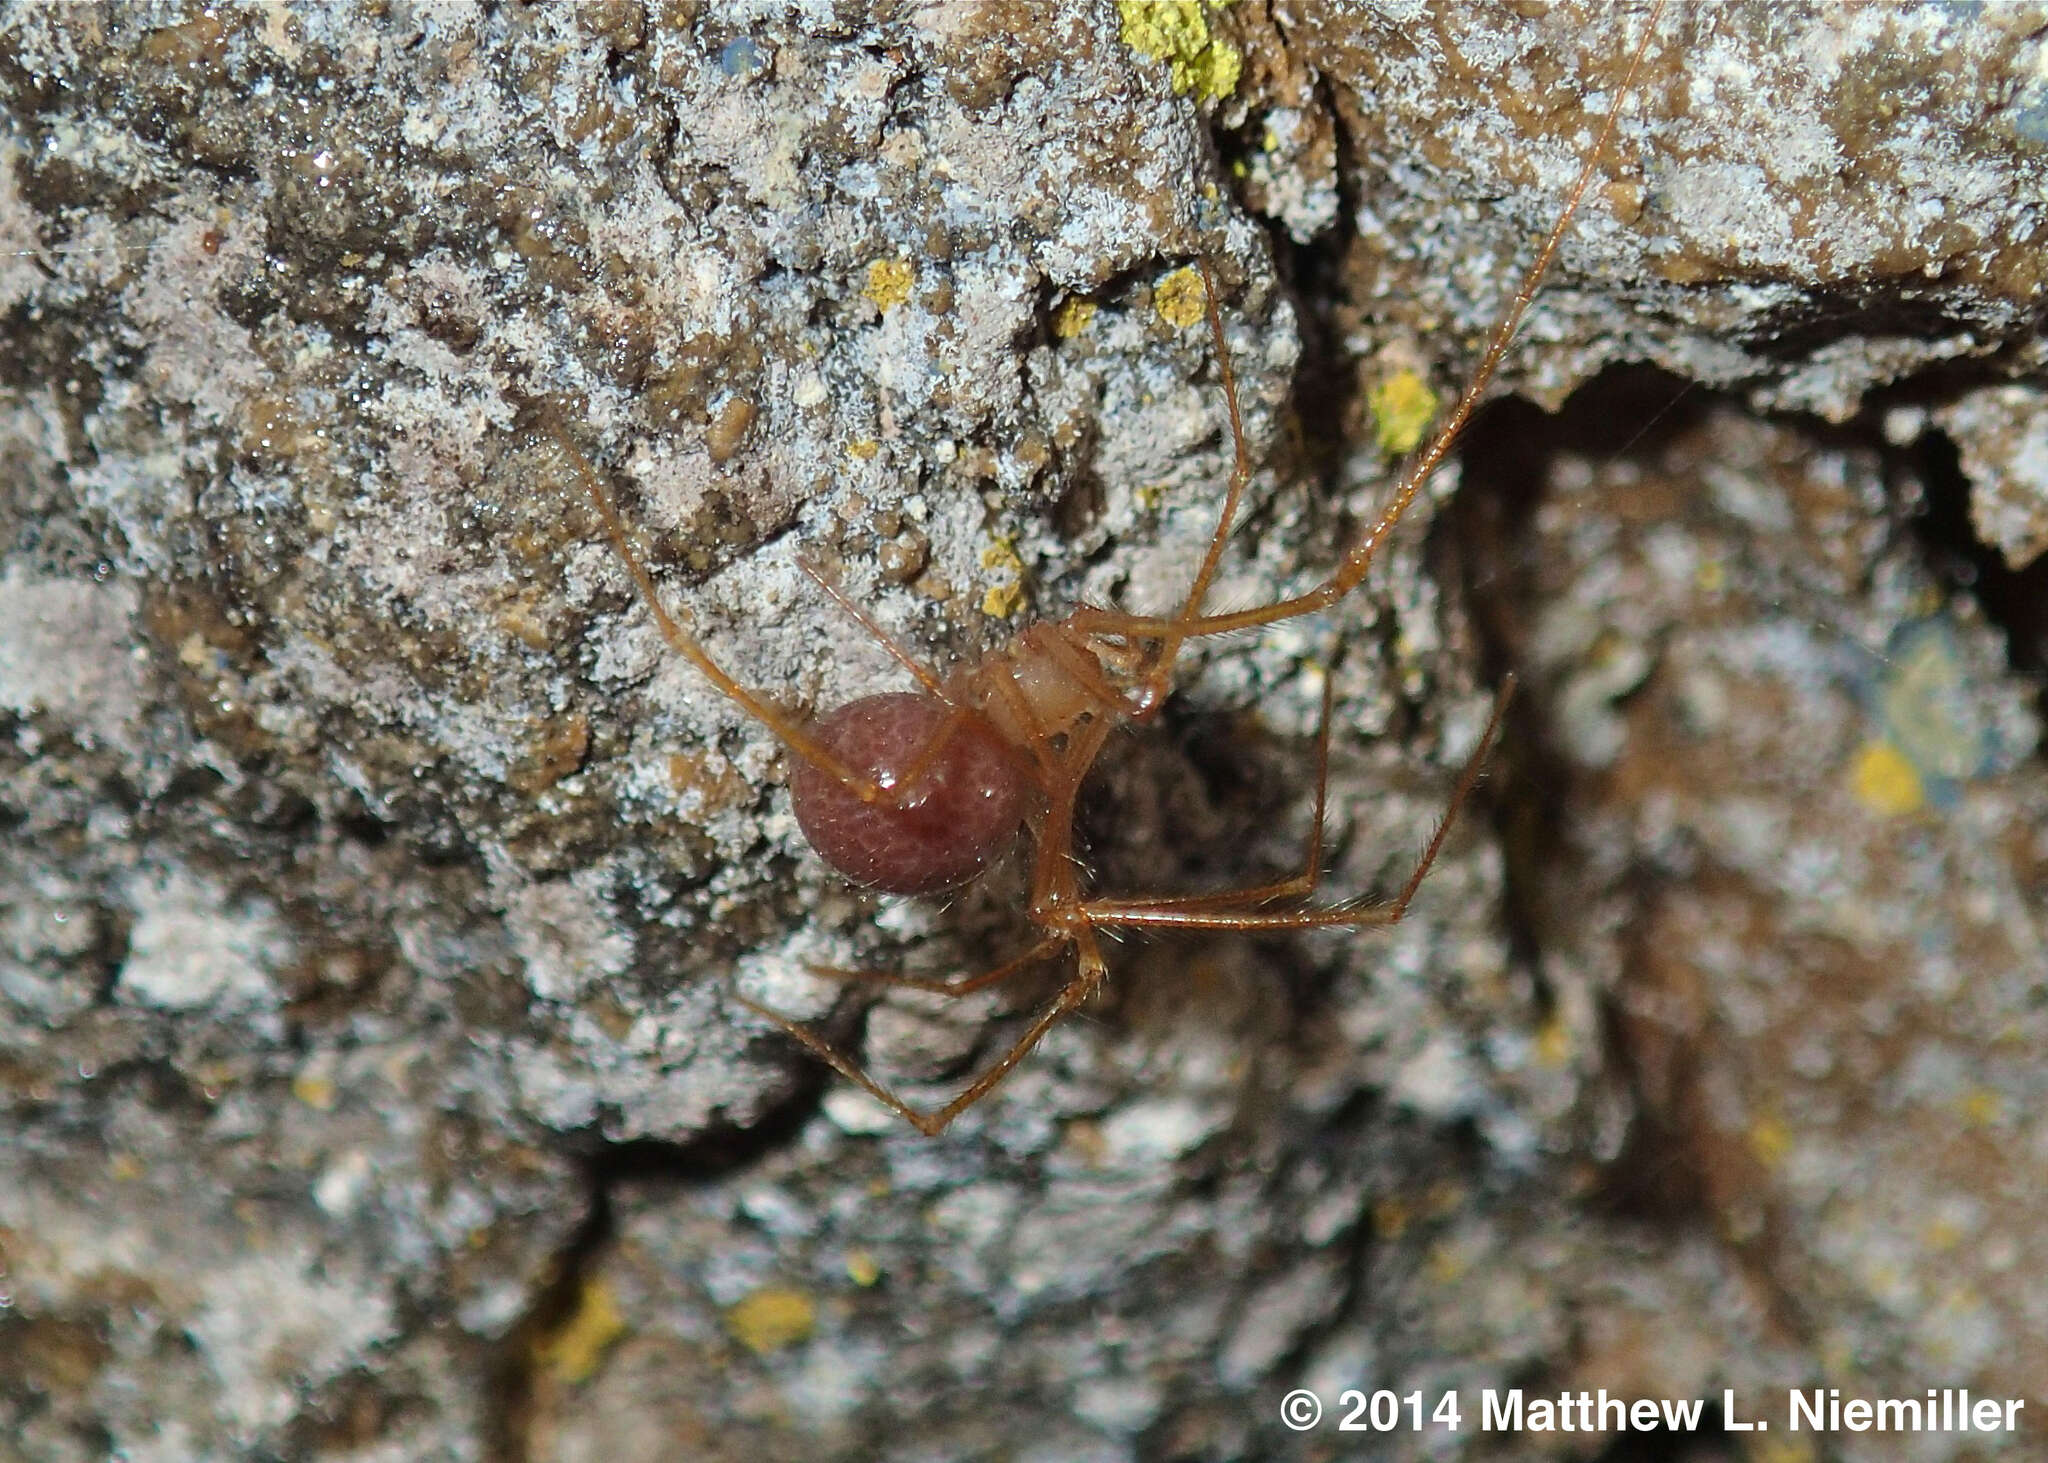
{"x": 375, "y": 881}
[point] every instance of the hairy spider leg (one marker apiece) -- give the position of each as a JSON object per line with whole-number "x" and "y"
{"x": 1166, "y": 651}
{"x": 965, "y": 985}
{"x": 791, "y": 734}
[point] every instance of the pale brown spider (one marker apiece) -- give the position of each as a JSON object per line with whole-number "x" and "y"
{"x": 916, "y": 792}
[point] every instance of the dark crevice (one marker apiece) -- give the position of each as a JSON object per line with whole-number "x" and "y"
{"x": 1821, "y": 318}
{"x": 1479, "y": 545}
{"x": 1326, "y": 386}
{"x": 1483, "y": 544}
{"x": 2015, "y": 600}
{"x": 645, "y": 1164}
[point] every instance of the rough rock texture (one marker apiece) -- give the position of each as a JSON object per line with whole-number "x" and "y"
{"x": 1796, "y": 800}
{"x": 375, "y": 881}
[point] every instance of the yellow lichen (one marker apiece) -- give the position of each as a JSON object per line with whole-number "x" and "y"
{"x": 1770, "y": 1140}
{"x": 865, "y": 449}
{"x": 861, "y": 1268}
{"x": 1982, "y": 1107}
{"x": 889, "y": 282}
{"x": 1002, "y": 601}
{"x": 1072, "y": 317}
{"x": 1177, "y": 32}
{"x": 572, "y": 1352}
{"x": 1005, "y": 599}
{"x": 1885, "y": 781}
{"x": 314, "y": 1090}
{"x": 1402, "y": 408}
{"x": 772, "y": 1319}
{"x": 1179, "y": 298}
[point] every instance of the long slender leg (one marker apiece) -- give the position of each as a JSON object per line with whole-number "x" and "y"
{"x": 1294, "y": 886}
{"x": 1253, "y": 921}
{"x": 1153, "y": 685}
{"x": 1241, "y": 464}
{"x": 905, "y": 782}
{"x": 1155, "y": 667}
{"x": 791, "y": 733}
{"x": 1351, "y": 569}
{"x": 1154, "y": 675}
{"x": 1175, "y": 914}
{"x": 685, "y": 644}
{"x": 935, "y": 742}
{"x": 926, "y": 676}
{"x": 1086, "y": 979}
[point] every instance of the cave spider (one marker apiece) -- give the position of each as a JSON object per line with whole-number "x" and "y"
{"x": 917, "y": 792}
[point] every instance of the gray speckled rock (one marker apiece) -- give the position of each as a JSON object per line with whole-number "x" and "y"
{"x": 374, "y": 876}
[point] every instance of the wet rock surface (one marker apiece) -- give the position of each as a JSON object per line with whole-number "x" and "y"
{"x": 374, "y": 882}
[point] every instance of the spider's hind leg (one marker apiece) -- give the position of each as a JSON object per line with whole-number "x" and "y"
{"x": 1086, "y": 978}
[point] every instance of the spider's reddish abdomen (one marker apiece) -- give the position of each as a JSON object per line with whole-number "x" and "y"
{"x": 963, "y": 810}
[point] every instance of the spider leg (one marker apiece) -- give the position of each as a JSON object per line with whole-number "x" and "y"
{"x": 787, "y": 729}
{"x": 1191, "y": 623}
{"x": 790, "y": 731}
{"x": 927, "y": 677}
{"x": 1087, "y": 977}
{"x": 1294, "y": 886}
{"x": 1212, "y": 912}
